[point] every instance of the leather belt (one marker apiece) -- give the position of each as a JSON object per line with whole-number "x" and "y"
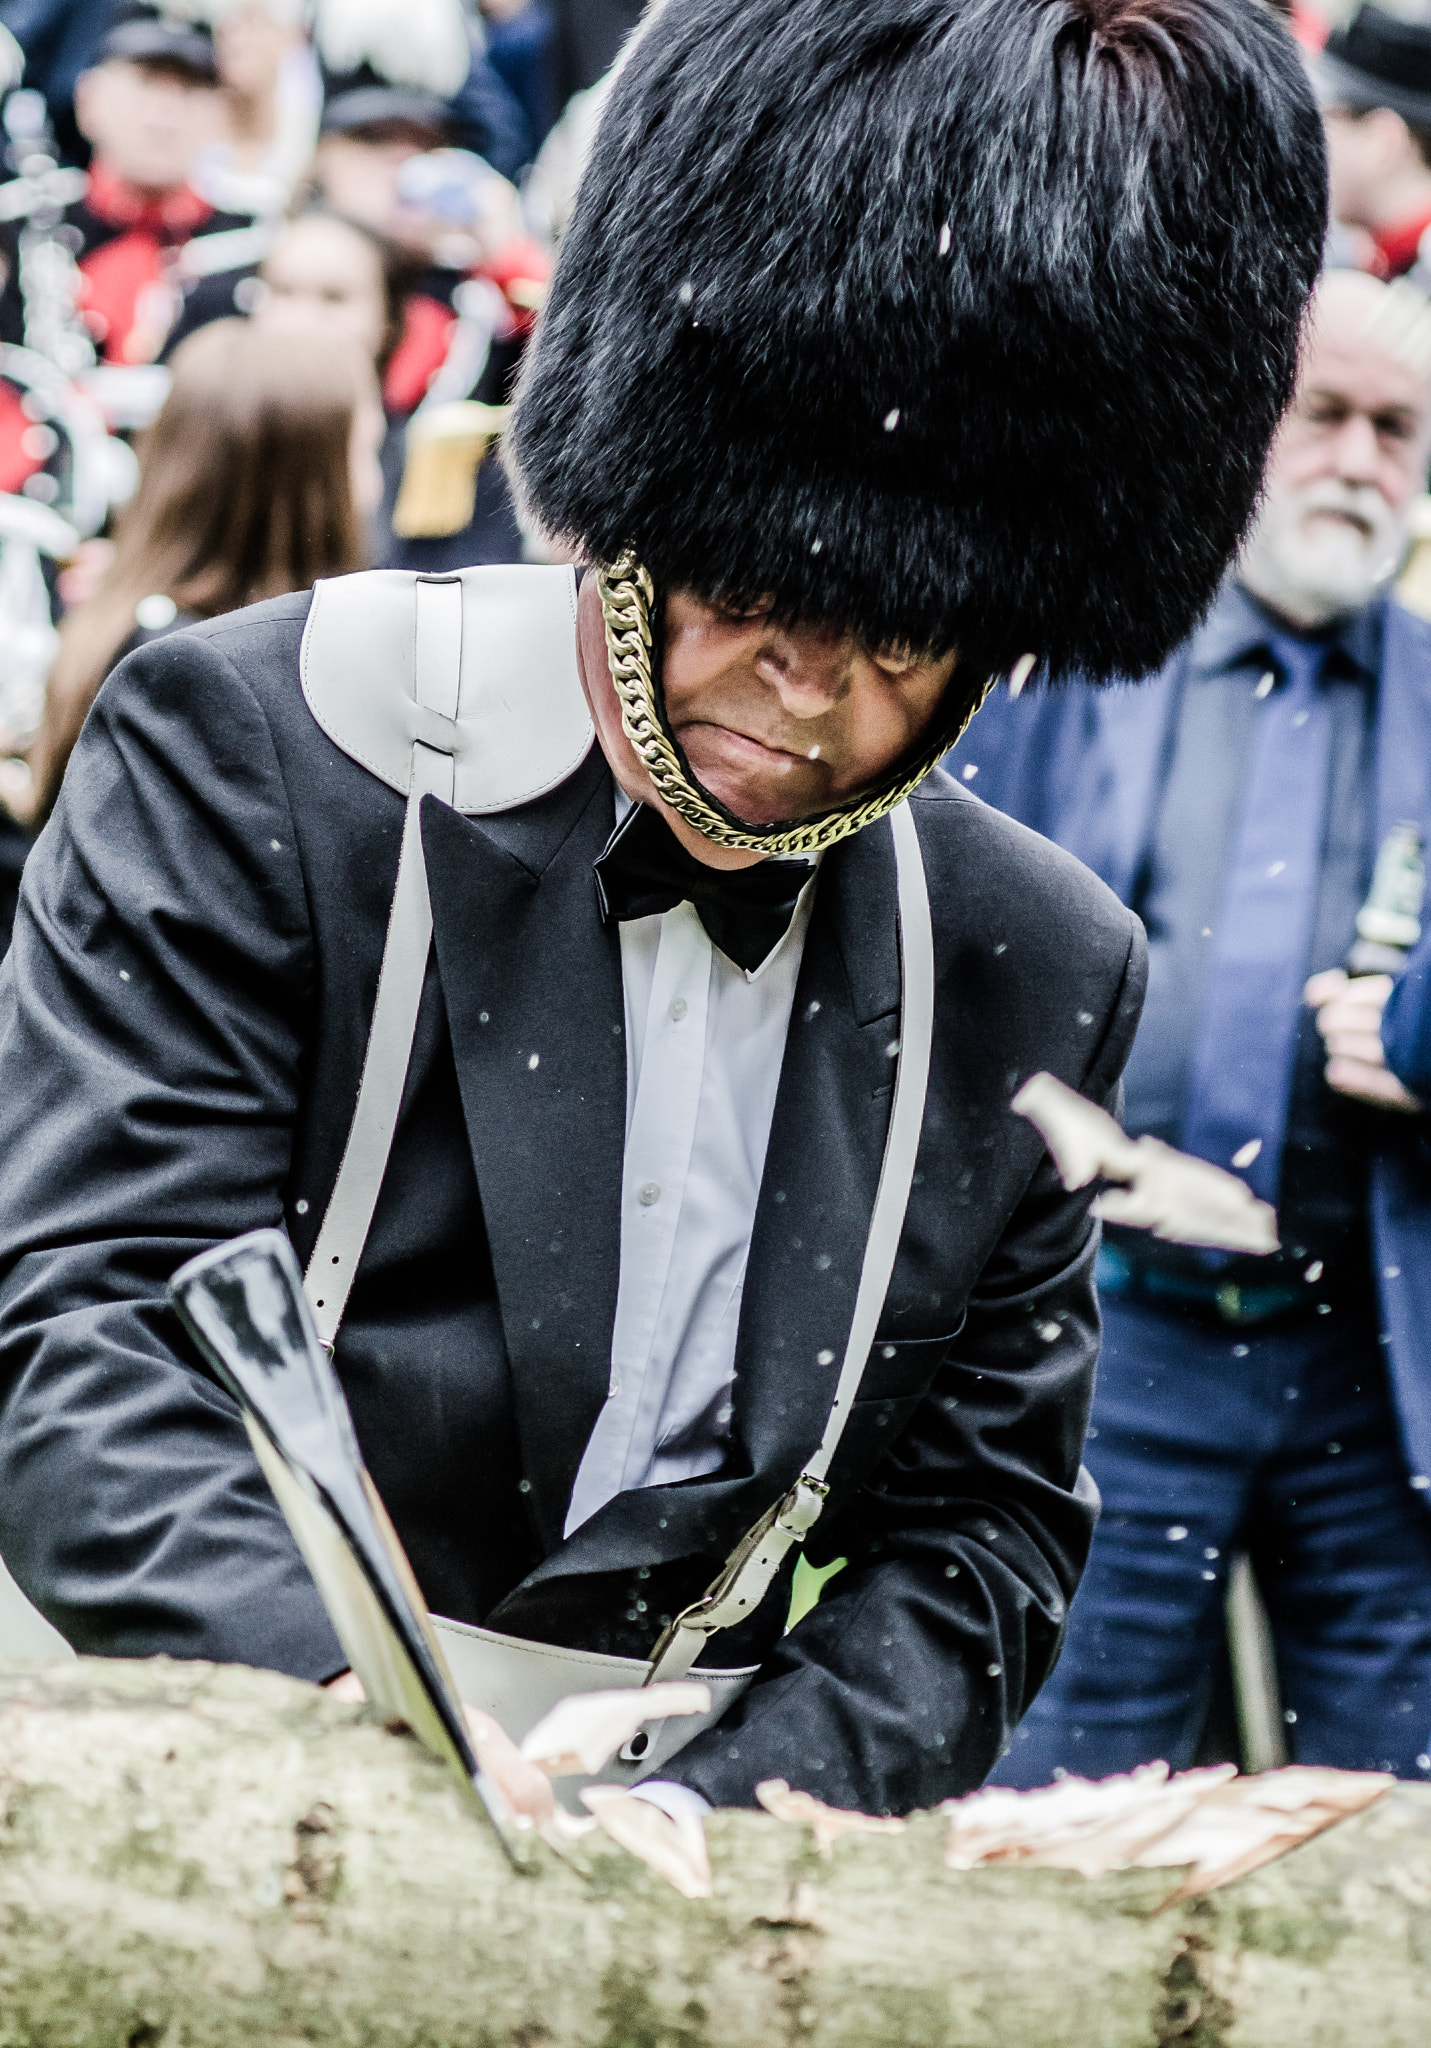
{"x": 1219, "y": 1299}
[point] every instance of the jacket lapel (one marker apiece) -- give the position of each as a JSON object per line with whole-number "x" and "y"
{"x": 822, "y": 1168}
{"x": 1398, "y": 1206}
{"x": 808, "y": 1240}
{"x": 532, "y": 987}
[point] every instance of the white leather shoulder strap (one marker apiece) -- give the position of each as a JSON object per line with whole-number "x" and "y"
{"x": 753, "y": 1564}
{"x": 464, "y": 688}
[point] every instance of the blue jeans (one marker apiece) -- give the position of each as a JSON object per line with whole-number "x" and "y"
{"x": 1207, "y": 1440}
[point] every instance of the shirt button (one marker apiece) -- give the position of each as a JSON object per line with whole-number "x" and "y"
{"x": 678, "y": 1009}
{"x": 648, "y": 1193}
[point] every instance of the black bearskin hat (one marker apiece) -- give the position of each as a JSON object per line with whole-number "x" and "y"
{"x": 958, "y": 323}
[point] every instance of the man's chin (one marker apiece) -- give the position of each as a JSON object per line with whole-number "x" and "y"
{"x": 756, "y": 807}
{"x": 757, "y": 797}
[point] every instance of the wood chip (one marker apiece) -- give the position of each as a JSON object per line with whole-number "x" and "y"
{"x": 584, "y": 1731}
{"x": 1153, "y": 1187}
{"x": 1213, "y": 1823}
{"x": 827, "y": 1823}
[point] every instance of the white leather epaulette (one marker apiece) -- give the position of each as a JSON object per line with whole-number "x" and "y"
{"x": 481, "y": 668}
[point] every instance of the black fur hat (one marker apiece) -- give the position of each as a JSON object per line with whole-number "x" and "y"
{"x": 955, "y": 322}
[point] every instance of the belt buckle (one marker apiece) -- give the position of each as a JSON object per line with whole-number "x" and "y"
{"x": 1230, "y": 1306}
{"x": 1241, "y": 1306}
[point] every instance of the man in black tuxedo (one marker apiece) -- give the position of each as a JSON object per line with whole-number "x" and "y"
{"x": 853, "y": 404}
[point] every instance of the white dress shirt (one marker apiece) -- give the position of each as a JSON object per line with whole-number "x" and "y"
{"x": 704, "y": 1045}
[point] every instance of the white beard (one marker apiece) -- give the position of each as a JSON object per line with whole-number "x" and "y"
{"x": 1311, "y": 570}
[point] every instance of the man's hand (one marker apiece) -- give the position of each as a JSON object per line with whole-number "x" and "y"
{"x": 526, "y": 1789}
{"x": 1349, "y": 1019}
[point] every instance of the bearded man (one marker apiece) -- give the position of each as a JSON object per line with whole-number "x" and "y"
{"x": 1239, "y": 802}
{"x": 682, "y": 1214}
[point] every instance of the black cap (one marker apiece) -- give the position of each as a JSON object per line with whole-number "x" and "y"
{"x": 364, "y": 99}
{"x": 1377, "y": 59}
{"x": 141, "y": 34}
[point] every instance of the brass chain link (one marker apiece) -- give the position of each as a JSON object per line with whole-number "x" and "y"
{"x": 627, "y": 598}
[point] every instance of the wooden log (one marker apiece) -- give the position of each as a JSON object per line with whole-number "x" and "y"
{"x": 194, "y": 1856}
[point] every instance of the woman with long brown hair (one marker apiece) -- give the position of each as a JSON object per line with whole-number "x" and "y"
{"x": 256, "y": 479}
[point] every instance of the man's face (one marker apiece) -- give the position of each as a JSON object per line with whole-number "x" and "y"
{"x": 358, "y": 175}
{"x": 251, "y": 45}
{"x": 323, "y": 273}
{"x": 777, "y": 722}
{"x": 1362, "y": 150}
{"x": 783, "y": 722}
{"x": 147, "y": 121}
{"x": 1348, "y": 460}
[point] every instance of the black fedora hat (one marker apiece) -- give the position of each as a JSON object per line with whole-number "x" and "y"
{"x": 1379, "y": 59}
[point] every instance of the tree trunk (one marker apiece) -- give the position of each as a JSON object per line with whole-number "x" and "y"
{"x": 194, "y": 1855}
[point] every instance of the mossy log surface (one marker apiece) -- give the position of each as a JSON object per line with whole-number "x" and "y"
{"x": 193, "y": 1855}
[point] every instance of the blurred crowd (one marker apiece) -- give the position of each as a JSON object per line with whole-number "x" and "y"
{"x": 269, "y": 268}
{"x": 235, "y": 233}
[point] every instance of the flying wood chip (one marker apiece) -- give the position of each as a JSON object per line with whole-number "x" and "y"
{"x": 583, "y": 1732}
{"x": 1212, "y": 1823}
{"x": 1148, "y": 1185}
{"x": 826, "y": 1823}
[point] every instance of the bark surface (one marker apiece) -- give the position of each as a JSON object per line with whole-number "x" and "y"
{"x": 194, "y": 1856}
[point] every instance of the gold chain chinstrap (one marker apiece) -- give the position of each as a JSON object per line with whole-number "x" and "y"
{"x": 627, "y": 599}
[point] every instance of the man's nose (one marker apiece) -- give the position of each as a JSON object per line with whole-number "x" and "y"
{"x": 1358, "y": 455}
{"x": 810, "y": 672}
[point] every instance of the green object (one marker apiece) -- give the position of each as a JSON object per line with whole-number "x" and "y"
{"x": 1388, "y": 924}
{"x": 807, "y": 1585}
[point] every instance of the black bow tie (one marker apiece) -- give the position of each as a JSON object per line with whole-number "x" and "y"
{"x": 746, "y": 911}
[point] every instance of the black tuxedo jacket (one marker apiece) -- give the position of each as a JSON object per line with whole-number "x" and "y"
{"x": 182, "y": 1022}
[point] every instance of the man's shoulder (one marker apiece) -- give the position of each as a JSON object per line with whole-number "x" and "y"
{"x": 341, "y": 680}
{"x": 202, "y": 688}
{"x": 989, "y": 860}
{"x": 237, "y": 635}
{"x": 251, "y": 653}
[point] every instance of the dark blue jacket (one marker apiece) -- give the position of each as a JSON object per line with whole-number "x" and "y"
{"x": 1406, "y": 1023}
{"x": 1083, "y": 766}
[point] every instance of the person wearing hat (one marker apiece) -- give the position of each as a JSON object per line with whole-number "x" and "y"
{"x": 388, "y": 165}
{"x": 272, "y": 99}
{"x": 602, "y": 986}
{"x": 421, "y": 67}
{"x": 145, "y": 106}
{"x": 386, "y": 159}
{"x": 1374, "y": 81}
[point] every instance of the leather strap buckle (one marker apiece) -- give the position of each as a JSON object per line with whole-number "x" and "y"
{"x": 743, "y": 1580}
